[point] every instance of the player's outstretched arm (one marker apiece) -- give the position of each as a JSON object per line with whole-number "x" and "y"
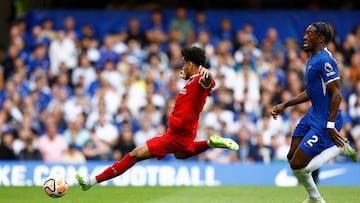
{"x": 300, "y": 98}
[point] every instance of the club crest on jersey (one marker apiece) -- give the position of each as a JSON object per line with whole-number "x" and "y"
{"x": 329, "y": 69}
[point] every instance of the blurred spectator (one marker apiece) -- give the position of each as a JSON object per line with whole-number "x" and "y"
{"x": 105, "y": 131}
{"x": 106, "y": 95}
{"x": 12, "y": 115}
{"x": 157, "y": 32}
{"x": 6, "y": 146}
{"x": 203, "y": 42}
{"x": 73, "y": 155}
{"x": 51, "y": 144}
{"x": 153, "y": 66}
{"x": 354, "y": 104}
{"x": 36, "y": 38}
{"x": 247, "y": 152}
{"x": 218, "y": 117}
{"x": 48, "y": 28}
{"x": 249, "y": 31}
{"x": 96, "y": 149}
{"x": 283, "y": 149}
{"x": 248, "y": 52}
{"x": 174, "y": 53}
{"x": 87, "y": 31}
{"x": 76, "y": 134}
{"x": 95, "y": 114}
{"x": 201, "y": 24}
{"x": 146, "y": 132}
{"x": 181, "y": 29}
{"x": 62, "y": 50}
{"x": 84, "y": 74}
{"x": 263, "y": 152}
{"x": 167, "y": 110}
{"x": 20, "y": 140}
{"x": 247, "y": 88}
{"x": 225, "y": 33}
{"x": 124, "y": 145}
{"x": 348, "y": 48}
{"x": 30, "y": 152}
{"x": 79, "y": 103}
{"x": 355, "y": 68}
{"x": 135, "y": 32}
{"x": 243, "y": 121}
{"x": 268, "y": 128}
{"x": 39, "y": 60}
{"x": 107, "y": 52}
{"x": 111, "y": 75}
{"x": 70, "y": 27}
{"x": 277, "y": 47}
{"x": 335, "y": 39}
{"x": 8, "y": 65}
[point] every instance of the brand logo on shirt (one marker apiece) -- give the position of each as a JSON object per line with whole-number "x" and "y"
{"x": 329, "y": 69}
{"x": 183, "y": 91}
{"x": 309, "y": 67}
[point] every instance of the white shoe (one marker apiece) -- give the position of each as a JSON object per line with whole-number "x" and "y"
{"x": 311, "y": 200}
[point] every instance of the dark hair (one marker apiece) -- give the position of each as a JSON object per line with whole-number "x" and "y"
{"x": 195, "y": 55}
{"x": 323, "y": 30}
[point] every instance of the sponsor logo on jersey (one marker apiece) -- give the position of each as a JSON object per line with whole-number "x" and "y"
{"x": 183, "y": 91}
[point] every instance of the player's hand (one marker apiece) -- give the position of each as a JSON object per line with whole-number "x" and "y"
{"x": 182, "y": 75}
{"x": 204, "y": 72}
{"x": 276, "y": 110}
{"x": 336, "y": 137}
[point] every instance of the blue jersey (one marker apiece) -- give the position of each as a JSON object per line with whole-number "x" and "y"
{"x": 321, "y": 69}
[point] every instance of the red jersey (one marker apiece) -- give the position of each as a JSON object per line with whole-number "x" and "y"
{"x": 188, "y": 105}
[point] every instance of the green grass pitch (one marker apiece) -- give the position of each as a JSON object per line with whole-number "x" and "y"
{"x": 222, "y": 194}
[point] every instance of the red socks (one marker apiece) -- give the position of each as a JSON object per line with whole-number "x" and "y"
{"x": 116, "y": 169}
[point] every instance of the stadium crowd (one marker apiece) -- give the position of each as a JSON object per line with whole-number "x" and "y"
{"x": 68, "y": 96}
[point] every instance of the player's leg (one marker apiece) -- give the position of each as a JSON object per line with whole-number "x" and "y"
{"x": 298, "y": 163}
{"x": 295, "y": 141}
{"x": 216, "y": 141}
{"x": 118, "y": 168}
{"x": 198, "y": 147}
{"x": 194, "y": 148}
{"x": 314, "y": 149}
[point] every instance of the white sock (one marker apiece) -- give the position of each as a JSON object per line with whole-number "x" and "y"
{"x": 307, "y": 181}
{"x": 92, "y": 181}
{"x": 322, "y": 158}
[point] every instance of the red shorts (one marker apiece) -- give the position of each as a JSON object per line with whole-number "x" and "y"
{"x": 170, "y": 143}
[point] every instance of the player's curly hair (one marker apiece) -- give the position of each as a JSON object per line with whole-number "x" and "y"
{"x": 323, "y": 29}
{"x": 195, "y": 55}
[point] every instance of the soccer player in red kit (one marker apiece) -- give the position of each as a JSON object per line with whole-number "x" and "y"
{"x": 182, "y": 124}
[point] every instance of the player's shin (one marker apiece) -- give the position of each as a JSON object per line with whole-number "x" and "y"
{"x": 307, "y": 181}
{"x": 116, "y": 169}
{"x": 322, "y": 158}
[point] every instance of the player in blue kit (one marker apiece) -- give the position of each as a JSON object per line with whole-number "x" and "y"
{"x": 316, "y": 138}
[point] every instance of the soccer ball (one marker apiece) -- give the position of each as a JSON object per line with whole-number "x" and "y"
{"x": 55, "y": 186}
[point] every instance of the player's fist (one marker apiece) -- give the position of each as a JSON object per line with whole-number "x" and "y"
{"x": 203, "y": 71}
{"x": 182, "y": 75}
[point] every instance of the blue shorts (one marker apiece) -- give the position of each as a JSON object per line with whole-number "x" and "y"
{"x": 316, "y": 138}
